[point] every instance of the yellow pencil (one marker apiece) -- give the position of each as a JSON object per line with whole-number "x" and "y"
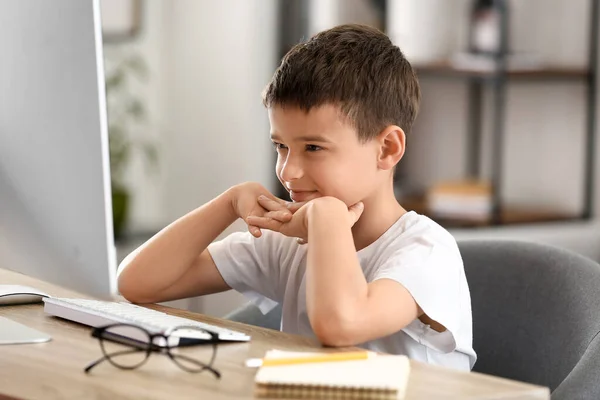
{"x": 316, "y": 358}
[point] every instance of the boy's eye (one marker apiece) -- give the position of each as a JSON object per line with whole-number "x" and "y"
{"x": 313, "y": 147}
{"x": 279, "y": 146}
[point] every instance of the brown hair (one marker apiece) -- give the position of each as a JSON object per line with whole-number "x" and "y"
{"x": 356, "y": 67}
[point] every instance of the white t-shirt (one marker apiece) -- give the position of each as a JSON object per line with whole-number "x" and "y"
{"x": 414, "y": 251}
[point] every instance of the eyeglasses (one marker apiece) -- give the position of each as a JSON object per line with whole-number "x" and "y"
{"x": 128, "y": 346}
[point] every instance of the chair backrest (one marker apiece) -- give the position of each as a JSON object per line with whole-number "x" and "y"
{"x": 536, "y": 313}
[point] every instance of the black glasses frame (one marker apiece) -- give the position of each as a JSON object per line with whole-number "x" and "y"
{"x": 150, "y": 347}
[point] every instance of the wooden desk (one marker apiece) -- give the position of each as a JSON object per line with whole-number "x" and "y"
{"x": 54, "y": 370}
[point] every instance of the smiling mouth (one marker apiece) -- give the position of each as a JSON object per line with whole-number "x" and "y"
{"x": 302, "y": 196}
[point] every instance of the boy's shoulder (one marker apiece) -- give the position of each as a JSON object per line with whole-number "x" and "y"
{"x": 415, "y": 236}
{"x": 419, "y": 226}
{"x": 414, "y": 226}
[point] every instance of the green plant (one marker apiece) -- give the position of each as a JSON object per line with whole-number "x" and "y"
{"x": 127, "y": 118}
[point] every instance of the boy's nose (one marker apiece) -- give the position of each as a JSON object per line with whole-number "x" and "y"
{"x": 291, "y": 170}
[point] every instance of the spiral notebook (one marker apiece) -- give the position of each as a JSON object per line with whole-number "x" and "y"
{"x": 381, "y": 377}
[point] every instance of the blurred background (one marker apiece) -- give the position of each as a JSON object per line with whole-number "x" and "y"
{"x": 504, "y": 145}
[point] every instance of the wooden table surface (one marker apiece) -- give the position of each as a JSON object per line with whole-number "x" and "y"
{"x": 54, "y": 370}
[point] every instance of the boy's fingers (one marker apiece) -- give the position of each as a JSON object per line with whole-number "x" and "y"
{"x": 274, "y": 198}
{"x": 280, "y": 201}
{"x": 276, "y": 204}
{"x": 270, "y": 204}
{"x": 356, "y": 211}
{"x": 283, "y": 216}
{"x": 264, "y": 222}
{"x": 254, "y": 230}
{"x": 293, "y": 207}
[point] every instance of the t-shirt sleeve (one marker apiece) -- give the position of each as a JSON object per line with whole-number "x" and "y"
{"x": 432, "y": 275}
{"x": 249, "y": 265}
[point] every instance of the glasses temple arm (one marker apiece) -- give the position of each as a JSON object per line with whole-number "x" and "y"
{"x": 106, "y": 357}
{"x": 201, "y": 364}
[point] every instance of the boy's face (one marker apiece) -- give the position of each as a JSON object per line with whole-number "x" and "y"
{"x": 319, "y": 154}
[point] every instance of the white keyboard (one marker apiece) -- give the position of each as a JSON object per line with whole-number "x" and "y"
{"x": 98, "y": 313}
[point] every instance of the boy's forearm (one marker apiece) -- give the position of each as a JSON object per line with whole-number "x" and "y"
{"x": 336, "y": 287}
{"x": 164, "y": 258}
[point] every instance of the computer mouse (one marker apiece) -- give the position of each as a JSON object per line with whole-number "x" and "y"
{"x": 19, "y": 294}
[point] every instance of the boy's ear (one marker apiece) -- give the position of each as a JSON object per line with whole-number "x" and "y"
{"x": 392, "y": 142}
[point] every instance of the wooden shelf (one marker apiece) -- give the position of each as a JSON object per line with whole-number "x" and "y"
{"x": 511, "y": 215}
{"x": 445, "y": 69}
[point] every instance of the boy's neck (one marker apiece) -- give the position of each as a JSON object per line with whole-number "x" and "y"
{"x": 380, "y": 213}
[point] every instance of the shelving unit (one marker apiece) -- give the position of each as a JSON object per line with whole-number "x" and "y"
{"x": 445, "y": 69}
{"x": 498, "y": 80}
{"x": 294, "y": 17}
{"x": 508, "y": 215}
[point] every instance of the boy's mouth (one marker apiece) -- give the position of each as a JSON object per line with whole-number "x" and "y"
{"x": 300, "y": 196}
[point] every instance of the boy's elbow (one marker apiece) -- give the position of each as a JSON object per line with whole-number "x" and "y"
{"x": 129, "y": 289}
{"x": 133, "y": 296}
{"x": 334, "y": 331}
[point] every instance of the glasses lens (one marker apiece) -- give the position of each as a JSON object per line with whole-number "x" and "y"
{"x": 126, "y": 346}
{"x": 193, "y": 349}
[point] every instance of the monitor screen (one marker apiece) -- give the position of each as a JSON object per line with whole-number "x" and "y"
{"x": 55, "y": 198}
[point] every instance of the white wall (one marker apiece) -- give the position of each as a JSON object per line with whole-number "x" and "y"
{"x": 220, "y": 56}
{"x": 324, "y": 14}
{"x": 209, "y": 61}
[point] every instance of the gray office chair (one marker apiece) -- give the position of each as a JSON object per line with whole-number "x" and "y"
{"x": 536, "y": 315}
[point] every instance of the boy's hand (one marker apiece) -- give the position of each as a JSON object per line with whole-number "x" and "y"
{"x": 294, "y": 227}
{"x": 297, "y": 226}
{"x": 245, "y": 205}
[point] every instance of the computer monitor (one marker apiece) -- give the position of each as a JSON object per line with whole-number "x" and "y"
{"x": 55, "y": 195}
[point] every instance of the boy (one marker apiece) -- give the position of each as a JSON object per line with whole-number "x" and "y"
{"x": 348, "y": 263}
